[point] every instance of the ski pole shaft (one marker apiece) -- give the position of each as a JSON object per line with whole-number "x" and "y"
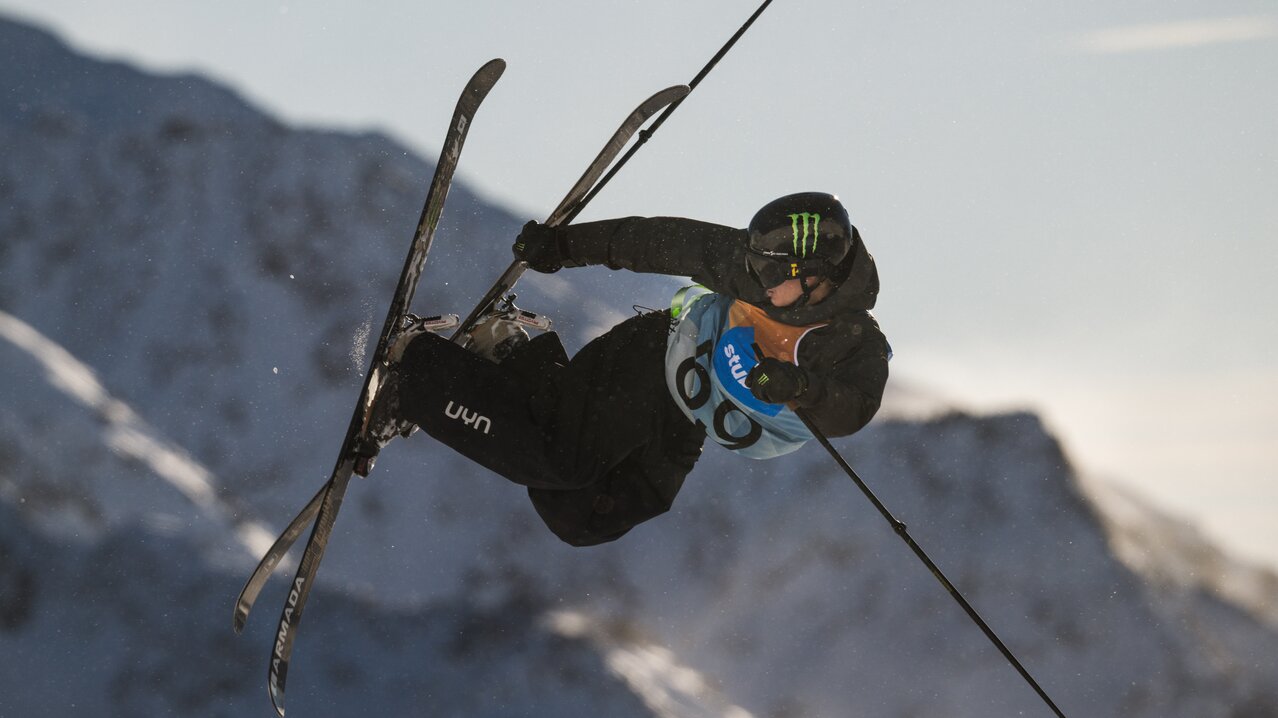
{"x": 900, "y": 529}
{"x": 644, "y": 135}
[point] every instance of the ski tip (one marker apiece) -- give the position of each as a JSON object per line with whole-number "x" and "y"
{"x": 663, "y": 98}
{"x": 277, "y": 697}
{"x": 494, "y": 66}
{"x": 674, "y": 93}
{"x": 484, "y": 79}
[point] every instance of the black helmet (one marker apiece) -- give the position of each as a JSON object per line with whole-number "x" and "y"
{"x": 799, "y": 235}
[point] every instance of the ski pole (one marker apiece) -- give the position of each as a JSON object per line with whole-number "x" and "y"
{"x": 570, "y": 208}
{"x": 647, "y": 133}
{"x": 899, "y": 527}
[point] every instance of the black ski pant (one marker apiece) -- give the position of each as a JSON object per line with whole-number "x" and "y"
{"x": 597, "y": 439}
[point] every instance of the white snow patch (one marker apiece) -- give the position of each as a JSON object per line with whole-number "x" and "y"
{"x": 557, "y": 288}
{"x": 667, "y": 688}
{"x": 127, "y": 435}
{"x": 603, "y": 319}
{"x": 1169, "y": 550}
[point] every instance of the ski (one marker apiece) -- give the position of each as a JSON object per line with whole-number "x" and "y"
{"x": 328, "y": 501}
{"x": 323, "y": 507}
{"x": 244, "y": 603}
{"x": 572, "y": 201}
{"x": 565, "y": 210}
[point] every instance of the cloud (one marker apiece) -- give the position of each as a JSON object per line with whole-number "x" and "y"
{"x": 1172, "y": 35}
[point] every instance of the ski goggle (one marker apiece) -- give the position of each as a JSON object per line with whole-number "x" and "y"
{"x": 772, "y": 268}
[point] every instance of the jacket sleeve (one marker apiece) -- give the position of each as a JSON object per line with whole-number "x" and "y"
{"x": 712, "y": 254}
{"x": 845, "y": 391}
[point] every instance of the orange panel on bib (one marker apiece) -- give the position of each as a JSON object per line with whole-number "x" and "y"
{"x": 776, "y": 339}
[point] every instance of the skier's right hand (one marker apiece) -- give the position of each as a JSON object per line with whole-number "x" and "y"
{"x": 541, "y": 247}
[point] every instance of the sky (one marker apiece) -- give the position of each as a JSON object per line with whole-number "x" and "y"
{"x": 1072, "y": 205}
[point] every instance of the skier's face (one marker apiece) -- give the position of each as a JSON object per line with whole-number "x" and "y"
{"x": 785, "y": 293}
{"x": 789, "y": 291}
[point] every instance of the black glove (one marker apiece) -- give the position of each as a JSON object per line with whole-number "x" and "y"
{"x": 541, "y": 247}
{"x": 776, "y": 381}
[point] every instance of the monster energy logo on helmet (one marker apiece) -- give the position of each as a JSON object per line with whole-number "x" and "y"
{"x": 799, "y": 235}
{"x": 804, "y": 217}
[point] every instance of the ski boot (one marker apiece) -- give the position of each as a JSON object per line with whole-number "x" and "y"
{"x": 497, "y": 335}
{"x": 382, "y": 423}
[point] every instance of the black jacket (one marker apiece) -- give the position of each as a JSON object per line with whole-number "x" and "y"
{"x": 846, "y": 361}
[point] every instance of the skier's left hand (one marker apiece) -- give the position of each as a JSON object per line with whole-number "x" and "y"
{"x": 538, "y": 245}
{"x": 776, "y": 381}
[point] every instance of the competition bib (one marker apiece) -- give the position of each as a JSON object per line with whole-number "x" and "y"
{"x": 709, "y": 355}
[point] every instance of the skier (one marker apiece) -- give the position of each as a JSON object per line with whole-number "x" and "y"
{"x": 779, "y": 320}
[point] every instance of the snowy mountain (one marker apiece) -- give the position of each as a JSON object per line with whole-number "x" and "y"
{"x": 186, "y": 292}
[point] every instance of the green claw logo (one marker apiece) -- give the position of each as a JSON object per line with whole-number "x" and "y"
{"x": 801, "y": 250}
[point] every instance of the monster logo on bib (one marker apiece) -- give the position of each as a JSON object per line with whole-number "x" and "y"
{"x": 733, "y": 360}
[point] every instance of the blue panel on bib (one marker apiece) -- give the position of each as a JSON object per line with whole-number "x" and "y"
{"x": 733, "y": 360}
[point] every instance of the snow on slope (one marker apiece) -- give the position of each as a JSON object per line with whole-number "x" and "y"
{"x": 1174, "y": 555}
{"x": 216, "y": 271}
{"x": 120, "y": 627}
{"x": 90, "y": 619}
{"x": 126, "y": 442}
{"x": 808, "y": 585}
